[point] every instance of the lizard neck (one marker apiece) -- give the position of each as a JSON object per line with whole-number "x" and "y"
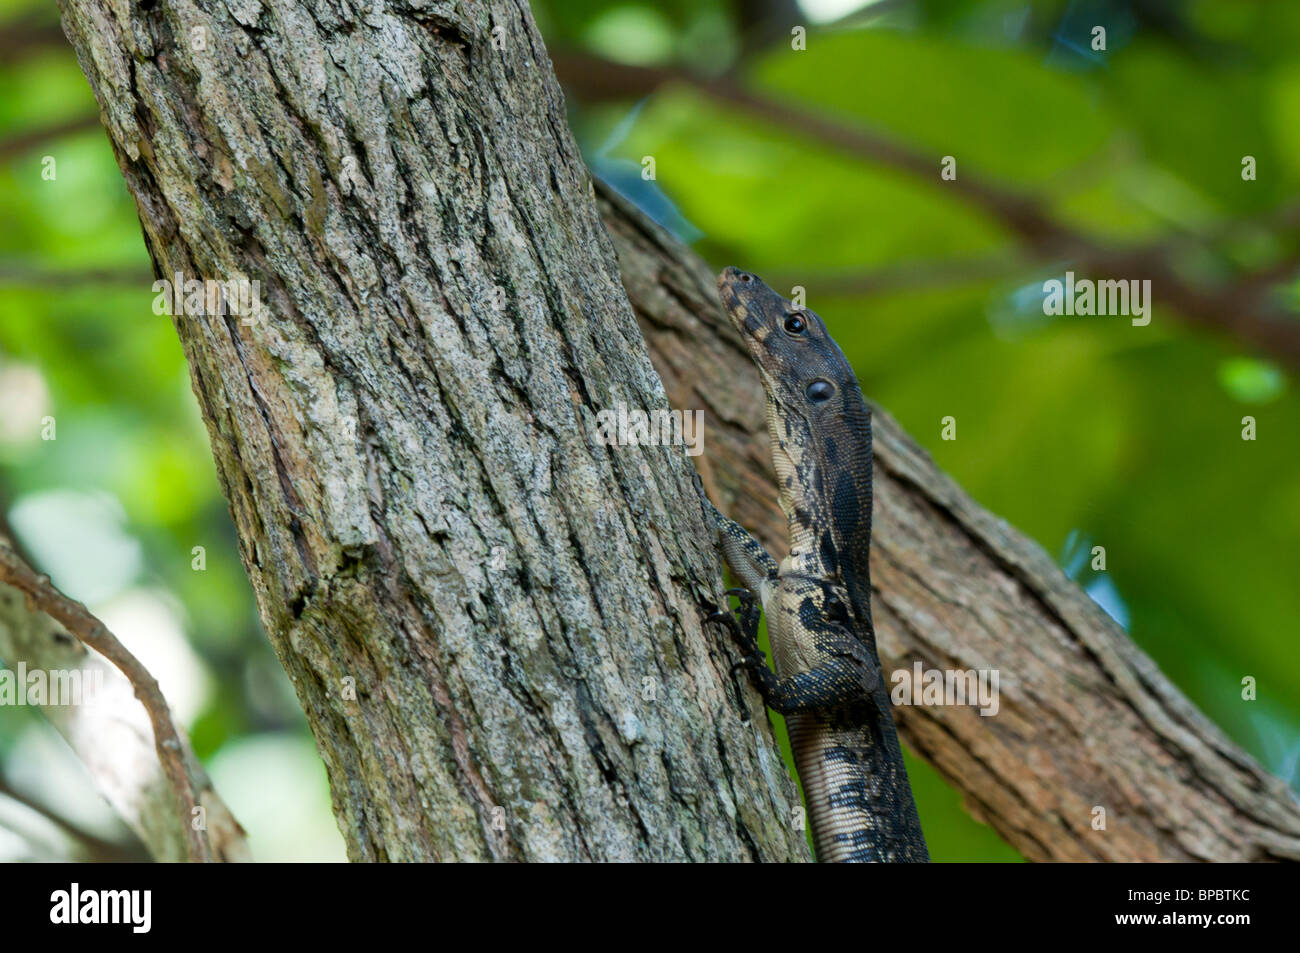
{"x": 824, "y": 488}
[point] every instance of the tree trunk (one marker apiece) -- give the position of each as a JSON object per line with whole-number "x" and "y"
{"x": 405, "y": 432}
{"x": 1086, "y": 719}
{"x": 493, "y": 620}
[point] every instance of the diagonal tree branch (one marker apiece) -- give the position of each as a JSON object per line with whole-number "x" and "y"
{"x": 1086, "y": 719}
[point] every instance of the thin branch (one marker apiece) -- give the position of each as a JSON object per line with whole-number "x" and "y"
{"x": 8, "y": 536}
{"x": 29, "y": 275}
{"x": 30, "y": 35}
{"x": 77, "y": 619}
{"x": 1246, "y": 308}
{"x": 99, "y": 849}
{"x": 30, "y": 138}
{"x": 596, "y": 79}
{"x": 907, "y": 276}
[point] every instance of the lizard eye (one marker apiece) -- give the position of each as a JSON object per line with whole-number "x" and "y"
{"x": 820, "y": 391}
{"x": 795, "y": 324}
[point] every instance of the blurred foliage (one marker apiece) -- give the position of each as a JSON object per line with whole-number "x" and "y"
{"x": 1079, "y": 431}
{"x": 79, "y": 342}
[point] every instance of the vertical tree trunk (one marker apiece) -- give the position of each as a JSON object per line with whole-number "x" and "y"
{"x": 492, "y": 620}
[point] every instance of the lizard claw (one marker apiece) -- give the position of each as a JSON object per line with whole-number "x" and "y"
{"x": 745, "y": 635}
{"x": 753, "y": 662}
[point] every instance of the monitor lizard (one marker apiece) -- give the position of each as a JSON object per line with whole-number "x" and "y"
{"x": 828, "y": 682}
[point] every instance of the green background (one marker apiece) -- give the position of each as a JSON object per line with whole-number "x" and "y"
{"x": 1080, "y": 431}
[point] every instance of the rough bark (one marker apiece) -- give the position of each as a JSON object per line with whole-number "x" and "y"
{"x": 492, "y": 620}
{"x": 1086, "y": 718}
{"x": 406, "y": 438}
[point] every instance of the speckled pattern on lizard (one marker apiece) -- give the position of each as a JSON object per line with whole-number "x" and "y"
{"x": 817, "y": 602}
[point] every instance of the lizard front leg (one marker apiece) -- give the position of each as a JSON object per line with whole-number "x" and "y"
{"x": 846, "y": 674}
{"x": 757, "y": 570}
{"x": 753, "y": 566}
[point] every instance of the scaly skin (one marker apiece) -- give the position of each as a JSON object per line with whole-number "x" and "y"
{"x": 817, "y": 602}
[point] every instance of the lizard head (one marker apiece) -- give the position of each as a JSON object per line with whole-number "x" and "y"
{"x": 803, "y": 370}
{"x": 820, "y": 430}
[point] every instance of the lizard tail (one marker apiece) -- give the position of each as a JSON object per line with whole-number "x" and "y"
{"x": 858, "y": 798}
